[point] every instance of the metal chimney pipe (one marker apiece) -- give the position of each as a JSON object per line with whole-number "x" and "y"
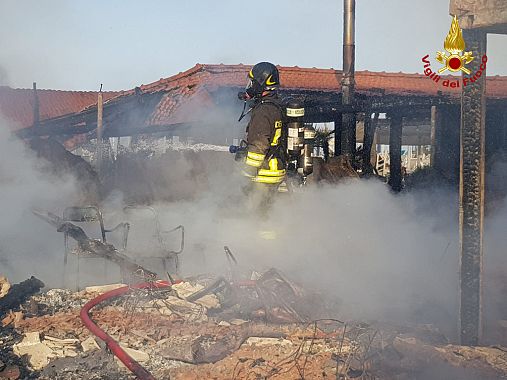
{"x": 349, "y": 15}
{"x": 348, "y": 82}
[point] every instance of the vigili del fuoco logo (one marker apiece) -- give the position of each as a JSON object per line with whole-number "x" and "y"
{"x": 454, "y": 60}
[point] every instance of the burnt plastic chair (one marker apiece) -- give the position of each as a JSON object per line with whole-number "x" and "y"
{"x": 164, "y": 255}
{"x": 90, "y": 215}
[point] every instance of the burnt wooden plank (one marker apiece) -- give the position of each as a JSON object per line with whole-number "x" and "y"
{"x": 395, "y": 132}
{"x": 471, "y": 200}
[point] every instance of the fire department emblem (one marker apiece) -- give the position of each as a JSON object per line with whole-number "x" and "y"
{"x": 454, "y": 44}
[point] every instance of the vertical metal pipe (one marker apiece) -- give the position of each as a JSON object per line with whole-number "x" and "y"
{"x": 100, "y": 107}
{"x": 395, "y": 133}
{"x": 471, "y": 193}
{"x": 36, "y": 113}
{"x": 348, "y": 83}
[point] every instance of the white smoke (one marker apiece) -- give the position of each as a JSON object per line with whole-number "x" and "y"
{"x": 29, "y": 246}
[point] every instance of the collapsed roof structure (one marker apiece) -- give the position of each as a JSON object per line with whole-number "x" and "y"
{"x": 194, "y": 103}
{"x": 163, "y": 105}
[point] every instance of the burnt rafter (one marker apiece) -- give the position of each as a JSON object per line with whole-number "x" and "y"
{"x": 131, "y": 114}
{"x": 131, "y": 110}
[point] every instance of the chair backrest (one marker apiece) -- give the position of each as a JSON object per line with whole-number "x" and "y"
{"x": 86, "y": 214}
{"x": 148, "y": 240}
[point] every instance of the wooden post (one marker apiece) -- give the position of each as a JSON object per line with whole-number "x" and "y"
{"x": 504, "y": 128}
{"x": 373, "y": 155}
{"x": 100, "y": 107}
{"x": 395, "y": 133}
{"x": 495, "y": 134}
{"x": 471, "y": 193}
{"x": 338, "y": 135}
{"x": 434, "y": 126}
{"x": 369, "y": 134}
{"x": 36, "y": 112}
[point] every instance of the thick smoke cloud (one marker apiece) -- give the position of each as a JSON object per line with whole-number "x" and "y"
{"x": 379, "y": 255}
{"x": 28, "y": 246}
{"x": 375, "y": 255}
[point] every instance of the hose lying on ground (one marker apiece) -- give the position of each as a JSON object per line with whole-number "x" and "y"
{"x": 136, "y": 368}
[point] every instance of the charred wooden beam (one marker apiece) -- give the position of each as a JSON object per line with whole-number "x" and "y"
{"x": 93, "y": 247}
{"x": 131, "y": 110}
{"x": 448, "y": 141}
{"x": 504, "y": 128}
{"x": 19, "y": 293}
{"x": 212, "y": 346}
{"x": 55, "y": 130}
{"x": 471, "y": 204}
{"x": 373, "y": 151}
{"x": 369, "y": 134}
{"x": 390, "y": 102}
{"x": 338, "y": 126}
{"x": 395, "y": 133}
{"x": 495, "y": 131}
{"x": 435, "y": 126}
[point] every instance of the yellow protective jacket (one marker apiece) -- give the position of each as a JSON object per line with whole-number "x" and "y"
{"x": 265, "y": 159}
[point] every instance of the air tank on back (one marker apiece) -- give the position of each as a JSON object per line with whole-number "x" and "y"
{"x": 300, "y": 138}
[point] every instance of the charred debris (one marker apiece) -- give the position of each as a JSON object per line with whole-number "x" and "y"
{"x": 156, "y": 324}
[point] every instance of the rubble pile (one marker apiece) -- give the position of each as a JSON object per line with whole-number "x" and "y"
{"x": 213, "y": 328}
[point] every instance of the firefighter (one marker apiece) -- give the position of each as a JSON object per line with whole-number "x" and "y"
{"x": 264, "y": 163}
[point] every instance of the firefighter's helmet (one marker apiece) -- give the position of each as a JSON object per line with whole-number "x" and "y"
{"x": 262, "y": 77}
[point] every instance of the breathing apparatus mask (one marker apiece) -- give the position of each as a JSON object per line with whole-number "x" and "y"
{"x": 251, "y": 92}
{"x": 264, "y": 76}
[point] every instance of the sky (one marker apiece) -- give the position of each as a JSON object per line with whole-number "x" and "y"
{"x": 78, "y": 45}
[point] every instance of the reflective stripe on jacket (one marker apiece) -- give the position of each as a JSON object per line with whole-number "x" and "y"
{"x": 275, "y": 173}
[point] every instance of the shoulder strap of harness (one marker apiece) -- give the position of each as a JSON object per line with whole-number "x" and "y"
{"x": 276, "y": 151}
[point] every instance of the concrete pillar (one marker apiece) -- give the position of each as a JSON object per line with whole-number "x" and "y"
{"x": 395, "y": 133}
{"x": 471, "y": 202}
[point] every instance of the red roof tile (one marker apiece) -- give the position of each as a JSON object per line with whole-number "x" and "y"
{"x": 193, "y": 85}
{"x": 321, "y": 79}
{"x": 17, "y": 104}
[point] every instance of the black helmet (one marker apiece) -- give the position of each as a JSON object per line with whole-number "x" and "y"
{"x": 263, "y": 77}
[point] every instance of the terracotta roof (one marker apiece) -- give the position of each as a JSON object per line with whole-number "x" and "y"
{"x": 192, "y": 85}
{"x": 17, "y": 104}
{"x": 321, "y": 79}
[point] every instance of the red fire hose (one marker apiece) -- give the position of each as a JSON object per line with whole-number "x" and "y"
{"x": 136, "y": 368}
